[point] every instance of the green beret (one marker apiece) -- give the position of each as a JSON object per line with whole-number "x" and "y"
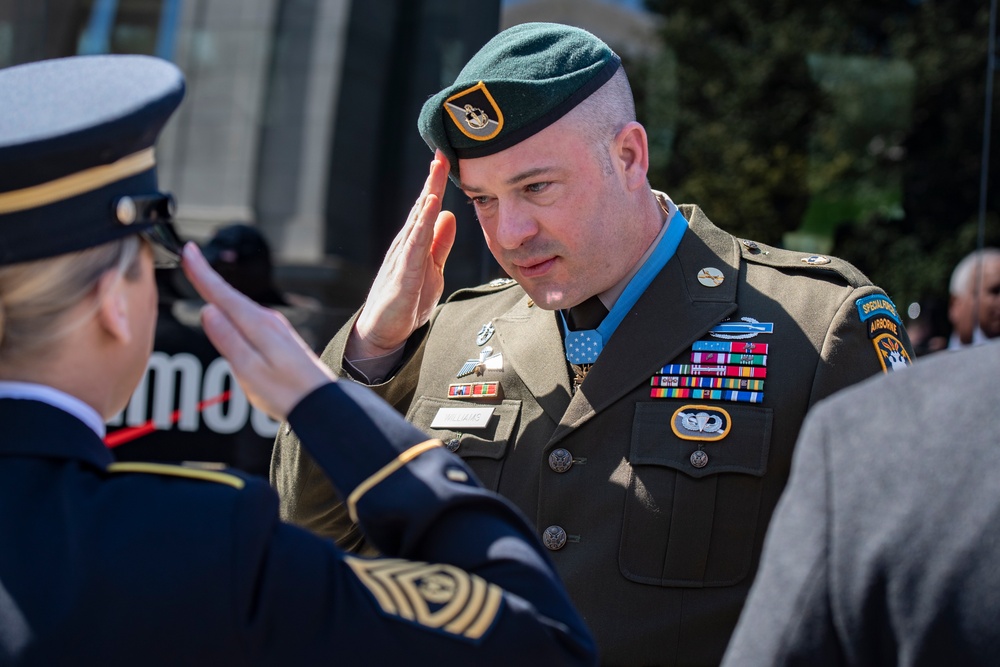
{"x": 523, "y": 80}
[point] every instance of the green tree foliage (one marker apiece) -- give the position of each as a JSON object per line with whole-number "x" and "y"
{"x": 848, "y": 126}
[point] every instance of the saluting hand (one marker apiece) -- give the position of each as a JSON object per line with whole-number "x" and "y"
{"x": 273, "y": 365}
{"x": 411, "y": 279}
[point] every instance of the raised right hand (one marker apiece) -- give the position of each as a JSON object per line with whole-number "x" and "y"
{"x": 411, "y": 279}
{"x": 273, "y": 365}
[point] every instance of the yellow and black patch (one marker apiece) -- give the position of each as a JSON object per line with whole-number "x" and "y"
{"x": 891, "y": 352}
{"x": 438, "y": 597}
{"x": 475, "y": 112}
{"x": 882, "y": 324}
{"x": 177, "y": 471}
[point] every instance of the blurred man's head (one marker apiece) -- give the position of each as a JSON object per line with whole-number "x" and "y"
{"x": 975, "y": 295}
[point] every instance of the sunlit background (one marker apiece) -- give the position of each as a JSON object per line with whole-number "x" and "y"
{"x": 846, "y": 127}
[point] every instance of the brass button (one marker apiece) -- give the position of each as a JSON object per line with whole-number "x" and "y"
{"x": 453, "y": 444}
{"x": 554, "y": 538}
{"x": 560, "y": 460}
{"x": 699, "y": 459}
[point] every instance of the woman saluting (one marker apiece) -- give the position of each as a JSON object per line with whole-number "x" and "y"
{"x": 132, "y": 563}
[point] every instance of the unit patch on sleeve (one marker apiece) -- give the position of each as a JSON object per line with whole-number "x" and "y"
{"x": 884, "y": 329}
{"x": 891, "y": 353}
{"x": 442, "y": 598}
{"x": 877, "y": 304}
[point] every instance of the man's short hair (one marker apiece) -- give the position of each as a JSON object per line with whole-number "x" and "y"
{"x": 963, "y": 274}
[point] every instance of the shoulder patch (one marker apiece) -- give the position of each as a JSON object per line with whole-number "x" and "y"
{"x": 441, "y": 598}
{"x": 878, "y": 313}
{"x": 177, "y": 471}
{"x": 877, "y": 304}
{"x": 891, "y": 352}
{"x": 759, "y": 253}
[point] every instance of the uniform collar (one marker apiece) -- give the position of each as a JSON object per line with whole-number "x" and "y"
{"x": 55, "y": 398}
{"x": 35, "y": 428}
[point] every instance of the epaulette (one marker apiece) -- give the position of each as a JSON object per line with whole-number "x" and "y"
{"x": 206, "y": 473}
{"x": 495, "y": 285}
{"x": 760, "y": 253}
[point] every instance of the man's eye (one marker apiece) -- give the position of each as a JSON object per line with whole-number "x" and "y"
{"x": 537, "y": 187}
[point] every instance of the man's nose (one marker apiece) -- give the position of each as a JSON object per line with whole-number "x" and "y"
{"x": 514, "y": 226}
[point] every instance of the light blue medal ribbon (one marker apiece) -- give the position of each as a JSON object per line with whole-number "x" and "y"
{"x": 582, "y": 347}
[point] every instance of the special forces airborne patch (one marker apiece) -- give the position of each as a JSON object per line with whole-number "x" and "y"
{"x": 437, "y": 597}
{"x": 884, "y": 328}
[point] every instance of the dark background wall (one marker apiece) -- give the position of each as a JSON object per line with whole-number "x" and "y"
{"x": 398, "y": 54}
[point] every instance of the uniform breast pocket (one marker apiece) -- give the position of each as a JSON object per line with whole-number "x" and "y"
{"x": 482, "y": 443}
{"x": 691, "y": 511}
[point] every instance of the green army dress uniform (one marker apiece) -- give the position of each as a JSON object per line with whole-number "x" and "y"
{"x": 655, "y": 528}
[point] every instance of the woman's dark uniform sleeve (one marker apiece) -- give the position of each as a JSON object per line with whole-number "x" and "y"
{"x": 463, "y": 575}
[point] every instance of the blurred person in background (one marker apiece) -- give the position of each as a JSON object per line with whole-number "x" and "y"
{"x": 974, "y": 306}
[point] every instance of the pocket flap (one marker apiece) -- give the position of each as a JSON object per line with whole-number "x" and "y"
{"x": 734, "y": 437}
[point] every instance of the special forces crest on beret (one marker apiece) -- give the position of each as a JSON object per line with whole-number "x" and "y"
{"x": 475, "y": 112}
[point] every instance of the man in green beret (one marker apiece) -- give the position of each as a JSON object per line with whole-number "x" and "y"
{"x": 637, "y": 385}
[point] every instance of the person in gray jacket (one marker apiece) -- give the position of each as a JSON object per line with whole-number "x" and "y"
{"x": 884, "y": 548}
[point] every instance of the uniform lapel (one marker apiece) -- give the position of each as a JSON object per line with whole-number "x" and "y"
{"x": 675, "y": 310}
{"x": 532, "y": 340}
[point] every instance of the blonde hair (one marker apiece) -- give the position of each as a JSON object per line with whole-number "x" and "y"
{"x": 36, "y": 296}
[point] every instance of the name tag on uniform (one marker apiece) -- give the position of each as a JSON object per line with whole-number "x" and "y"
{"x": 462, "y": 418}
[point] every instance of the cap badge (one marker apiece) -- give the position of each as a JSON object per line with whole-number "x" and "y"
{"x": 125, "y": 211}
{"x": 475, "y": 112}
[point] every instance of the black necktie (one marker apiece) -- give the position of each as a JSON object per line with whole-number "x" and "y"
{"x": 587, "y": 315}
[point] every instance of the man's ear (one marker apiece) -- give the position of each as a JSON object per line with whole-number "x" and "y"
{"x": 631, "y": 148}
{"x": 112, "y": 306}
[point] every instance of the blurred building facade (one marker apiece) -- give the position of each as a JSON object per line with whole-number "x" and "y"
{"x": 300, "y": 115}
